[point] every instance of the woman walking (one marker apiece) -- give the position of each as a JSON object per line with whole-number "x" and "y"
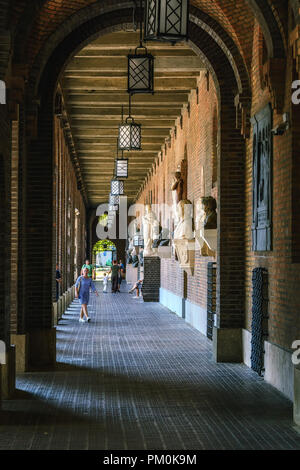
{"x": 82, "y": 291}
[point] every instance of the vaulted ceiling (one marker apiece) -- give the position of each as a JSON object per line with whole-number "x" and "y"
{"x": 94, "y": 86}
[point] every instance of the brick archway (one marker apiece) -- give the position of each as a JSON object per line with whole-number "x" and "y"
{"x": 92, "y": 238}
{"x": 223, "y": 59}
{"x": 32, "y": 23}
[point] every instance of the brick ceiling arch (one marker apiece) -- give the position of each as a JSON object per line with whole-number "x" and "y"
{"x": 219, "y": 51}
{"x": 78, "y": 37}
{"x": 46, "y": 16}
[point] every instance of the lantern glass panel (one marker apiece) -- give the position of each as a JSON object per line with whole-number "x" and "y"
{"x": 114, "y": 199}
{"x": 129, "y": 136}
{"x": 138, "y": 241}
{"x": 166, "y": 20}
{"x": 135, "y": 137}
{"x": 140, "y": 73}
{"x": 117, "y": 187}
{"x": 122, "y": 168}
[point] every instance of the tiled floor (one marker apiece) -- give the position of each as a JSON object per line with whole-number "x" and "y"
{"x": 138, "y": 377}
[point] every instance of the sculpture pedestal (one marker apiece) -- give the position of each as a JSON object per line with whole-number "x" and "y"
{"x": 151, "y": 283}
{"x": 185, "y": 250}
{"x": 164, "y": 252}
{"x": 131, "y": 274}
{"x": 207, "y": 241}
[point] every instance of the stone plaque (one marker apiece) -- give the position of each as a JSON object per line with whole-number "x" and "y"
{"x": 262, "y": 180}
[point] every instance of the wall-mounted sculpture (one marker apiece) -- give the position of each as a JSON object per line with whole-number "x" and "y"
{"x": 129, "y": 250}
{"x": 262, "y": 180}
{"x": 150, "y": 231}
{"x": 184, "y": 240}
{"x": 184, "y": 227}
{"x": 177, "y": 189}
{"x": 206, "y": 225}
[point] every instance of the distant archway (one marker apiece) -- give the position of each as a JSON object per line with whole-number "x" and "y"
{"x": 104, "y": 252}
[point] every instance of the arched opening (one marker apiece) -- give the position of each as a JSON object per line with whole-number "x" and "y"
{"x": 91, "y": 107}
{"x": 67, "y": 85}
{"x": 104, "y": 252}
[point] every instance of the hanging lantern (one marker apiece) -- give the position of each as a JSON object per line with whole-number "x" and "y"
{"x": 140, "y": 67}
{"x": 166, "y": 20}
{"x": 117, "y": 187}
{"x": 140, "y": 72}
{"x": 129, "y": 133}
{"x": 138, "y": 241}
{"x": 114, "y": 199}
{"x": 121, "y": 167}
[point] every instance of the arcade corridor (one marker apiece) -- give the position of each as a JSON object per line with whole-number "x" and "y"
{"x": 139, "y": 377}
{"x": 170, "y": 130}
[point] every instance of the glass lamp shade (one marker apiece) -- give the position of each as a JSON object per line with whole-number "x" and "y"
{"x": 140, "y": 73}
{"x": 116, "y": 187}
{"x": 111, "y": 217}
{"x": 122, "y": 167}
{"x": 166, "y": 20}
{"x": 129, "y": 136}
{"x": 114, "y": 199}
{"x": 138, "y": 241}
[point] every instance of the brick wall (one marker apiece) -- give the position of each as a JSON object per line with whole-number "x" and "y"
{"x": 196, "y": 141}
{"x": 14, "y": 226}
{"x": 5, "y": 202}
{"x": 69, "y": 211}
{"x": 284, "y": 274}
{"x": 236, "y": 260}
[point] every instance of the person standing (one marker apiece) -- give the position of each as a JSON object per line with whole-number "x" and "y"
{"x": 82, "y": 291}
{"x": 91, "y": 269}
{"x": 114, "y": 270}
{"x": 121, "y": 266}
{"x": 58, "y": 281}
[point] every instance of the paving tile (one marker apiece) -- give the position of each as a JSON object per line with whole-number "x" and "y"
{"x": 139, "y": 377}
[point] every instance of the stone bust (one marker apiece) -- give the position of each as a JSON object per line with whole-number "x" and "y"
{"x": 210, "y": 206}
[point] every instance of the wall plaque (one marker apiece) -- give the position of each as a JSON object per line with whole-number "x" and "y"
{"x": 262, "y": 180}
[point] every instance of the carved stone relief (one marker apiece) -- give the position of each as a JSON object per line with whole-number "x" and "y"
{"x": 262, "y": 180}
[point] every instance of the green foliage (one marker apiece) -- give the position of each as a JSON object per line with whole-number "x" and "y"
{"x": 103, "y": 245}
{"x": 103, "y": 219}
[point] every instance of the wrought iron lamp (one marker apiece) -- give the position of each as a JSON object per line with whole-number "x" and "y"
{"x": 138, "y": 240}
{"x": 140, "y": 68}
{"x": 166, "y": 20}
{"x": 121, "y": 167}
{"x": 114, "y": 199}
{"x": 116, "y": 187}
{"x": 129, "y": 133}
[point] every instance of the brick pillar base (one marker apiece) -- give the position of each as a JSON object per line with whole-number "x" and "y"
{"x": 297, "y": 395}
{"x": 8, "y": 374}
{"x": 227, "y": 344}
{"x": 42, "y": 348}
{"x": 21, "y": 344}
{"x": 151, "y": 283}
